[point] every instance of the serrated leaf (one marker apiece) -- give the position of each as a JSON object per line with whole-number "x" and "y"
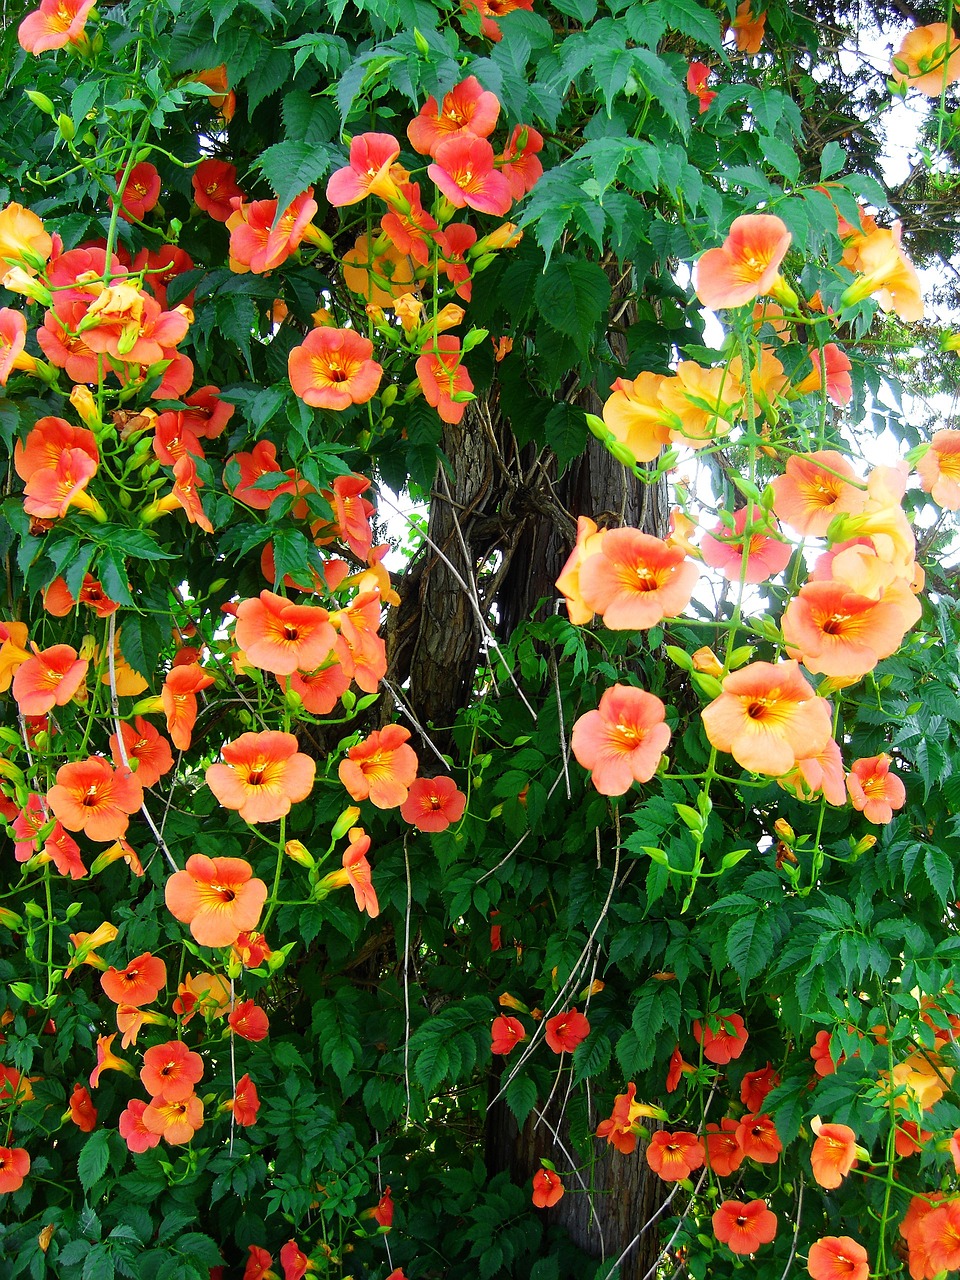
{"x": 292, "y": 166}
{"x": 782, "y": 156}
{"x": 750, "y": 946}
{"x": 566, "y": 433}
{"x": 141, "y": 641}
{"x": 664, "y": 87}
{"x": 82, "y": 100}
{"x": 573, "y": 295}
{"x": 693, "y": 20}
{"x": 938, "y": 866}
{"x": 93, "y": 1159}
{"x": 521, "y": 1098}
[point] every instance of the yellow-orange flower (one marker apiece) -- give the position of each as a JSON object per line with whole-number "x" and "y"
{"x": 263, "y": 775}
{"x": 217, "y": 897}
{"x": 926, "y": 61}
{"x": 768, "y": 717}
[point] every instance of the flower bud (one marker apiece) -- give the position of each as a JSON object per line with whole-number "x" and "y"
{"x": 707, "y": 662}
{"x": 345, "y": 822}
{"x": 82, "y": 400}
{"x": 300, "y": 854}
{"x": 66, "y": 127}
{"x": 40, "y": 100}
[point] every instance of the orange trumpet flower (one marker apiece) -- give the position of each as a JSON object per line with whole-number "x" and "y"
{"x": 263, "y": 775}
{"x": 217, "y": 897}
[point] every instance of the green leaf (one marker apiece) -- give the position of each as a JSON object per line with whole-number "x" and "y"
{"x": 141, "y": 641}
{"x": 93, "y": 1160}
{"x": 573, "y": 295}
{"x": 521, "y": 1098}
{"x": 832, "y": 159}
{"x": 566, "y": 433}
{"x": 664, "y": 87}
{"x": 750, "y": 946}
{"x": 782, "y": 156}
{"x": 292, "y": 166}
{"x": 112, "y": 572}
{"x": 693, "y": 20}
{"x": 938, "y": 865}
{"x": 612, "y": 69}
{"x": 82, "y": 100}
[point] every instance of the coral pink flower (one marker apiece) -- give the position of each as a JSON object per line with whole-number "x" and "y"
{"x": 815, "y": 488}
{"x": 698, "y": 73}
{"x": 743, "y": 1228}
{"x": 150, "y": 749}
{"x": 457, "y": 239}
{"x": 836, "y": 632}
{"x": 333, "y": 369}
{"x": 139, "y": 983}
{"x": 746, "y": 265}
{"x": 381, "y": 768}
{"x": 885, "y": 272}
{"x": 263, "y": 775}
{"x": 259, "y": 242}
{"x": 724, "y": 550}
{"x": 547, "y": 1188}
{"x": 13, "y": 333}
{"x": 356, "y": 873}
{"x": 132, "y": 1129}
{"x": 874, "y": 790}
{"x": 758, "y": 1138}
{"x": 92, "y": 797}
{"x": 519, "y": 163}
{"x": 52, "y": 491}
{"x": 141, "y": 192}
{"x": 823, "y": 1062}
{"x": 215, "y": 187}
{"x": 411, "y": 229}
{"x": 673, "y": 1156}
{"x": 636, "y": 580}
{"x": 55, "y": 24}
{"x": 724, "y": 1042}
{"x": 179, "y": 696}
{"x": 463, "y": 170}
{"x": 206, "y": 415}
{"x": 170, "y": 1071}
{"x": 841, "y": 1258}
{"x": 623, "y": 740}
{"x": 249, "y": 1021}
{"x": 443, "y": 376}
{"x": 14, "y": 1167}
{"x": 175, "y": 1122}
{"x": 107, "y": 1060}
{"x": 281, "y": 637}
{"x": 433, "y": 804}
{"x": 831, "y": 372}
{"x": 261, "y": 461}
{"x": 245, "y": 1105}
{"x": 49, "y": 679}
{"x": 768, "y": 717}
{"x": 320, "y": 691}
{"x": 506, "y": 1032}
{"x": 368, "y": 173}
{"x": 467, "y": 108}
{"x": 589, "y": 542}
{"x": 636, "y": 415}
{"x": 352, "y": 514}
{"x": 82, "y": 1111}
{"x": 724, "y": 1155}
{"x": 939, "y": 469}
{"x": 928, "y": 59}
{"x": 565, "y": 1031}
{"x": 217, "y": 898}
{"x": 833, "y": 1155}
{"x": 491, "y": 11}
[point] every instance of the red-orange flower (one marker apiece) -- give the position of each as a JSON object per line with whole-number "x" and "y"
{"x": 622, "y": 742}
{"x": 673, "y": 1156}
{"x": 82, "y": 1111}
{"x": 723, "y": 1041}
{"x": 621, "y": 1129}
{"x": 260, "y": 241}
{"x": 333, "y": 368}
{"x": 743, "y": 1228}
{"x": 214, "y": 188}
{"x": 834, "y": 1154}
{"x": 547, "y": 1188}
{"x": 263, "y": 775}
{"x": 281, "y": 637}
{"x": 132, "y": 1129}
{"x": 93, "y": 797}
{"x": 758, "y": 1138}
{"x": 467, "y": 108}
{"x": 490, "y": 12}
{"x": 755, "y": 1086}
{"x": 245, "y": 1103}
{"x": 874, "y": 790}
{"x": 746, "y": 265}
{"x": 139, "y": 983}
{"x": 433, "y": 804}
{"x": 175, "y": 1122}
{"x": 179, "y": 696}
{"x": 381, "y": 768}
{"x": 14, "y": 1167}
{"x": 170, "y": 1071}
{"x": 443, "y": 376}
{"x": 823, "y": 1062}
{"x": 768, "y": 717}
{"x": 249, "y": 1021}
{"x": 838, "y": 1258}
{"x": 506, "y": 1032}
{"x": 145, "y": 745}
{"x": 565, "y": 1031}
{"x": 356, "y": 873}
{"x": 141, "y": 192}
{"x": 748, "y": 27}
{"x": 294, "y": 1261}
{"x": 724, "y": 1154}
{"x": 463, "y": 169}
{"x": 217, "y": 898}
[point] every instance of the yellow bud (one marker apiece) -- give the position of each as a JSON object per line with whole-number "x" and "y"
{"x": 784, "y": 830}
{"x": 82, "y": 400}
{"x": 299, "y": 853}
{"x": 345, "y": 822}
{"x": 706, "y": 660}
